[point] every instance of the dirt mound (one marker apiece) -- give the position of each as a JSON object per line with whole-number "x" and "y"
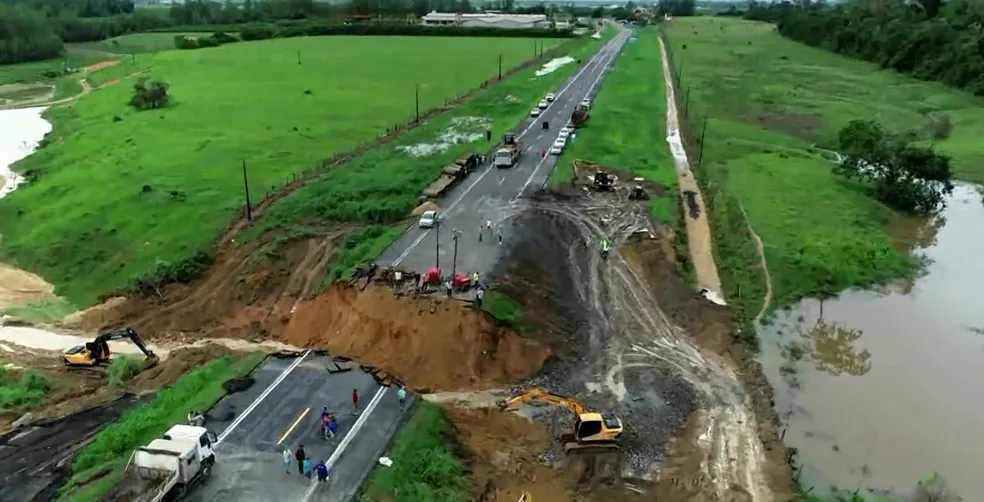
{"x": 430, "y": 344}
{"x": 423, "y": 208}
{"x": 92, "y": 318}
{"x": 505, "y": 460}
{"x": 18, "y": 286}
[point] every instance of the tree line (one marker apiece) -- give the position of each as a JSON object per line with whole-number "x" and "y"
{"x": 32, "y": 30}
{"x": 927, "y": 39}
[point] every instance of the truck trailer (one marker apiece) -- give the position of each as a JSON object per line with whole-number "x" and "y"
{"x": 167, "y": 468}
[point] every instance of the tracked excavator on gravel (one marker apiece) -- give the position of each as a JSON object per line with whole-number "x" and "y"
{"x": 592, "y": 432}
{"x": 97, "y": 351}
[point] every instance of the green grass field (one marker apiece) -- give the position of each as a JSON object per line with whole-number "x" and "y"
{"x": 766, "y": 100}
{"x": 627, "y": 127}
{"x": 380, "y": 188}
{"x": 117, "y": 196}
{"x": 135, "y": 43}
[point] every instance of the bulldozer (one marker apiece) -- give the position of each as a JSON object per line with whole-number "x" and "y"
{"x": 96, "y": 352}
{"x": 592, "y": 431}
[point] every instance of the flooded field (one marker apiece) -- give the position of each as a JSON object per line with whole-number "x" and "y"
{"x": 880, "y": 389}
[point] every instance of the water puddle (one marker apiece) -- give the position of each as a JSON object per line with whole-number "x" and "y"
{"x": 20, "y": 132}
{"x": 461, "y": 130}
{"x": 880, "y": 389}
{"x": 554, "y": 65}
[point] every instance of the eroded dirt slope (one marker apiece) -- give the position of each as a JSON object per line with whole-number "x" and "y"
{"x": 430, "y": 343}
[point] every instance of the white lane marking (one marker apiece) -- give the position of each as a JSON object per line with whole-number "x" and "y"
{"x": 242, "y": 416}
{"x": 348, "y": 438}
{"x": 537, "y": 168}
{"x": 597, "y": 57}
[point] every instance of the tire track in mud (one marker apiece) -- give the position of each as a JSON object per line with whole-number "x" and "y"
{"x": 760, "y": 248}
{"x": 634, "y": 347}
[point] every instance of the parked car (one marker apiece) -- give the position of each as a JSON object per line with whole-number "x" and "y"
{"x": 564, "y": 133}
{"x": 543, "y": 105}
{"x": 428, "y": 219}
{"x": 535, "y": 112}
{"x": 550, "y": 96}
{"x": 586, "y": 103}
{"x": 558, "y": 147}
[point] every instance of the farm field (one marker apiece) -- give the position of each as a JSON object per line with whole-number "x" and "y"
{"x": 767, "y": 100}
{"x": 627, "y": 126}
{"x": 120, "y": 190}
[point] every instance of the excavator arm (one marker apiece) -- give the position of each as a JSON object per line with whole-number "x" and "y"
{"x": 542, "y": 396}
{"x": 126, "y": 333}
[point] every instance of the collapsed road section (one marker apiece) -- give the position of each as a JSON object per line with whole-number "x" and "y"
{"x": 283, "y": 410}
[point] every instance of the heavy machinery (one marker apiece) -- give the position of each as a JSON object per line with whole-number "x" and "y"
{"x": 579, "y": 116}
{"x": 97, "y": 351}
{"x": 603, "y": 181}
{"x": 508, "y": 154}
{"x": 593, "y": 432}
{"x": 167, "y": 468}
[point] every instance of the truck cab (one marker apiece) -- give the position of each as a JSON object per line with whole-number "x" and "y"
{"x": 201, "y": 436}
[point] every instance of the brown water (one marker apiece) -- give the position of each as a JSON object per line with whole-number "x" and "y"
{"x": 889, "y": 386}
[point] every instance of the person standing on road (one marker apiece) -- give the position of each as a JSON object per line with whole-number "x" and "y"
{"x": 481, "y": 231}
{"x": 287, "y": 456}
{"x": 402, "y": 396}
{"x": 448, "y": 287}
{"x": 355, "y": 401}
{"x": 322, "y": 469}
{"x": 307, "y": 468}
{"x": 500, "y": 237}
{"x": 300, "y": 456}
{"x": 479, "y": 295}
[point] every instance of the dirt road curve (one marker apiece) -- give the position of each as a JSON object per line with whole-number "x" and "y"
{"x": 698, "y": 231}
{"x": 638, "y": 362}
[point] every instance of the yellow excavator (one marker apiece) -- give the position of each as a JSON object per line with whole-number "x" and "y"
{"x": 593, "y": 432}
{"x": 97, "y": 351}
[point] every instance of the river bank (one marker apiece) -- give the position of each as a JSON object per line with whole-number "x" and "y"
{"x": 880, "y": 388}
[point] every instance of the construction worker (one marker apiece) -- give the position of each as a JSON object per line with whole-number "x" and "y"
{"x": 475, "y": 279}
{"x": 605, "y": 247}
{"x": 398, "y": 276}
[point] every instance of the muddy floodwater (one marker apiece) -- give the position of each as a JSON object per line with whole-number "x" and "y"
{"x": 879, "y": 389}
{"x": 20, "y": 132}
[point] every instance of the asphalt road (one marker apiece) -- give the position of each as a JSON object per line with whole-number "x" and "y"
{"x": 255, "y": 425}
{"x": 495, "y": 194}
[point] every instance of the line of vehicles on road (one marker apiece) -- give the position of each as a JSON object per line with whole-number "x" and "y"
{"x": 578, "y": 118}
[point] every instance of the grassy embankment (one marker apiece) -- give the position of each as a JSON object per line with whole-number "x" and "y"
{"x": 506, "y": 311}
{"x": 378, "y": 189}
{"x": 766, "y": 100}
{"x": 424, "y": 464}
{"x": 627, "y": 127}
{"x": 110, "y": 450}
{"x": 119, "y": 196}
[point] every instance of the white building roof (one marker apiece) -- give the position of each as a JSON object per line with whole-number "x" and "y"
{"x": 435, "y": 16}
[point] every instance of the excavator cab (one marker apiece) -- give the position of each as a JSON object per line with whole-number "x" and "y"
{"x": 97, "y": 351}
{"x": 597, "y": 427}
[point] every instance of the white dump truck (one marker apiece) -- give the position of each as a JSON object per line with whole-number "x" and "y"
{"x": 168, "y": 467}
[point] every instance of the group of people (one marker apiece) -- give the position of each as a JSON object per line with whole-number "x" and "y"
{"x": 304, "y": 467}
{"x": 482, "y": 229}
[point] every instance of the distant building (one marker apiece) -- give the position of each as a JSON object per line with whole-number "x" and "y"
{"x": 486, "y": 20}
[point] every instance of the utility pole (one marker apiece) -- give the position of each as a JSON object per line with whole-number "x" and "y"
{"x": 500, "y": 66}
{"x": 298, "y": 57}
{"x": 416, "y": 100}
{"x": 437, "y": 245}
{"x": 249, "y": 212}
{"x": 454, "y": 260}
{"x": 700, "y": 156}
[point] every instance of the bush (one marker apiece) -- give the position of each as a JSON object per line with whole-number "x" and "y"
{"x": 258, "y": 32}
{"x": 165, "y": 272}
{"x": 28, "y": 390}
{"x": 122, "y": 369}
{"x": 184, "y": 42}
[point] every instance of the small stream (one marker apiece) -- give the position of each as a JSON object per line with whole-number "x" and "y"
{"x": 880, "y": 389}
{"x": 20, "y": 132}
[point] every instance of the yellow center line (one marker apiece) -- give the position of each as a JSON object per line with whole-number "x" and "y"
{"x": 293, "y": 425}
